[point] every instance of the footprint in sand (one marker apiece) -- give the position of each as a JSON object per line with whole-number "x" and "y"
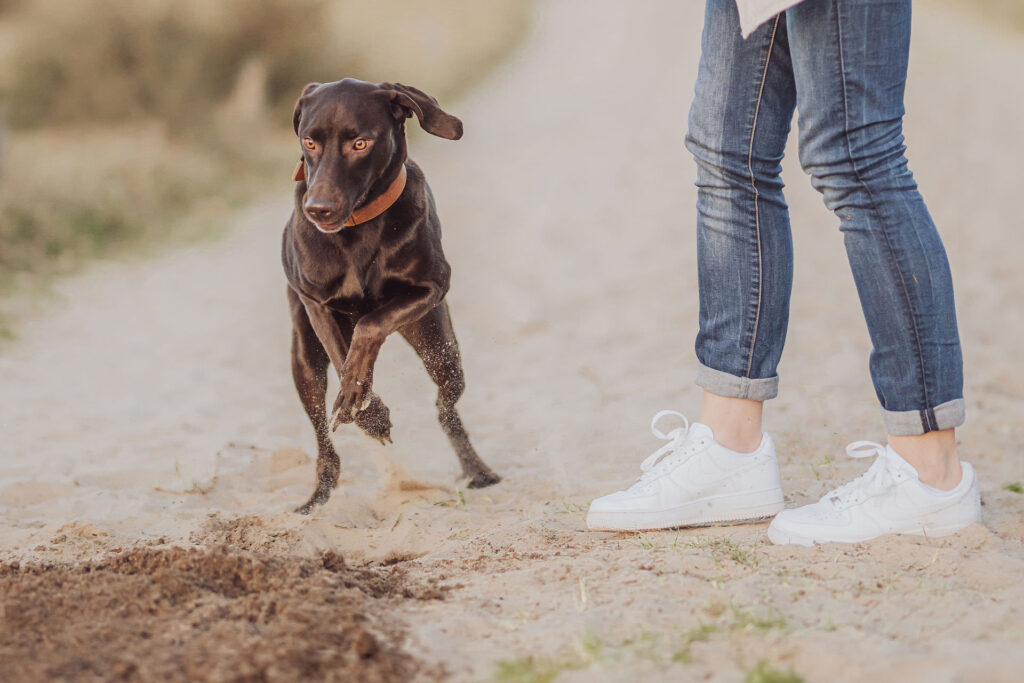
{"x": 281, "y": 468}
{"x": 280, "y": 461}
{"x": 29, "y": 493}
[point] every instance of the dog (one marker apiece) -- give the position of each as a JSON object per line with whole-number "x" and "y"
{"x": 362, "y": 256}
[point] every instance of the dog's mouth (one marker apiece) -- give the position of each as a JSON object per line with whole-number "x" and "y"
{"x": 329, "y": 222}
{"x": 329, "y": 228}
{"x": 329, "y": 225}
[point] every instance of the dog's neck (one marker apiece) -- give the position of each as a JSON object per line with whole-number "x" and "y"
{"x": 367, "y": 211}
{"x": 375, "y": 207}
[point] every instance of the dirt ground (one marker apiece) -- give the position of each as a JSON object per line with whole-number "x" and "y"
{"x": 172, "y": 614}
{"x": 153, "y": 446}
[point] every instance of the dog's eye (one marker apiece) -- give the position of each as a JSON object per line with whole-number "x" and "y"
{"x": 309, "y": 143}
{"x": 359, "y": 145}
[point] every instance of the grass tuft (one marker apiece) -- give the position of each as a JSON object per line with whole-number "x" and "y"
{"x": 573, "y": 509}
{"x": 723, "y": 548}
{"x": 763, "y": 673}
{"x": 698, "y": 633}
{"x": 531, "y": 670}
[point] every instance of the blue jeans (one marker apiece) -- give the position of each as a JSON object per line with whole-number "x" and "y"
{"x": 842, "y": 64}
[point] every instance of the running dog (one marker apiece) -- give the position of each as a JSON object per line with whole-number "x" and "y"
{"x": 362, "y": 255}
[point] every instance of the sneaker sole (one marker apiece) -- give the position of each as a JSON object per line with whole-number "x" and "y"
{"x": 746, "y": 507}
{"x": 782, "y": 538}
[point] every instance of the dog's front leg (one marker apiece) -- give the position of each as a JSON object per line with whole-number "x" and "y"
{"x": 373, "y": 417}
{"x": 368, "y": 336}
{"x": 329, "y": 333}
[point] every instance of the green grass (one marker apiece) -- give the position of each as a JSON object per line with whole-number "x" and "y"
{"x": 725, "y": 549}
{"x": 732, "y": 619}
{"x": 646, "y": 542}
{"x": 763, "y": 673}
{"x": 458, "y": 501}
{"x": 661, "y": 648}
{"x": 698, "y": 633}
{"x": 720, "y": 548}
{"x": 573, "y": 509}
{"x": 826, "y": 463}
{"x": 529, "y": 669}
{"x": 532, "y": 670}
{"x": 745, "y": 621}
{"x": 1015, "y": 487}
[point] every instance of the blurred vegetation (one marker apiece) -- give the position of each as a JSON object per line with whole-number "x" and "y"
{"x": 152, "y": 59}
{"x": 138, "y": 122}
{"x": 128, "y": 122}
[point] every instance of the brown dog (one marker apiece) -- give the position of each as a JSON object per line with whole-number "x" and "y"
{"x": 362, "y": 254}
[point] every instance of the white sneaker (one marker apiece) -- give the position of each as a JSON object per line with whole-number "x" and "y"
{"x": 887, "y": 499}
{"x": 693, "y": 480}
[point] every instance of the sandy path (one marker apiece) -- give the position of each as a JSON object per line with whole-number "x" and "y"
{"x": 155, "y": 405}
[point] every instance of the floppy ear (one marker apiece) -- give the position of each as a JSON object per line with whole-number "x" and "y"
{"x": 297, "y": 114}
{"x": 406, "y": 101}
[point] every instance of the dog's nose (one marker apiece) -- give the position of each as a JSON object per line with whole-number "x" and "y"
{"x": 320, "y": 211}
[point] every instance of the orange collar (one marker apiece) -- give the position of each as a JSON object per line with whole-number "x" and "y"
{"x": 370, "y": 210}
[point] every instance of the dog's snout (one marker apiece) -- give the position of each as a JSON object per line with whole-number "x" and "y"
{"x": 320, "y": 210}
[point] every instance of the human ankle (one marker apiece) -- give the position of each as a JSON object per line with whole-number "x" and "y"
{"x": 933, "y": 455}
{"x": 735, "y": 422}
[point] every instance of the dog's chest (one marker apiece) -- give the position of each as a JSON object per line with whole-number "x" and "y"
{"x": 351, "y": 285}
{"x": 345, "y": 275}
{"x": 353, "y": 290}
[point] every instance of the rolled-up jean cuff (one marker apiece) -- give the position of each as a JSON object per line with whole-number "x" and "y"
{"x": 915, "y": 422}
{"x": 732, "y": 386}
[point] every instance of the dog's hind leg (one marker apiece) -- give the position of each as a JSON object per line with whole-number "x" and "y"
{"x": 309, "y": 371}
{"x": 433, "y": 338}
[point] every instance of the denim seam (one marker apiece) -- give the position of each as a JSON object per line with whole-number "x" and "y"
{"x": 757, "y": 195}
{"x": 874, "y": 210}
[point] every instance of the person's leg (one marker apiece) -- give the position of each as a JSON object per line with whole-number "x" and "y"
{"x": 739, "y": 122}
{"x": 738, "y": 125}
{"x": 933, "y": 455}
{"x": 735, "y": 422}
{"x": 850, "y": 65}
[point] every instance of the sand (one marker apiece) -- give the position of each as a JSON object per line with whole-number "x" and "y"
{"x": 151, "y": 408}
{"x": 211, "y": 614}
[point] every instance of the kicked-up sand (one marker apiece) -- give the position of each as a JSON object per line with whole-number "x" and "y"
{"x": 153, "y": 446}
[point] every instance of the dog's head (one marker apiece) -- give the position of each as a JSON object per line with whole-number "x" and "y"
{"x": 352, "y": 135}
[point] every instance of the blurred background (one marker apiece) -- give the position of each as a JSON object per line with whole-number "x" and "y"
{"x": 130, "y": 124}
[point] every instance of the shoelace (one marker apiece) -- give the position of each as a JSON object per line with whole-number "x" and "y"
{"x": 676, "y": 441}
{"x": 877, "y": 478}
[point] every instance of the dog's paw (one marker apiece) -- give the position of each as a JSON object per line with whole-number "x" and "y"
{"x": 352, "y": 398}
{"x": 375, "y": 420}
{"x": 482, "y": 480}
{"x": 318, "y": 498}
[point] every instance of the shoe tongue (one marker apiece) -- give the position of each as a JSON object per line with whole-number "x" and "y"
{"x": 699, "y": 430}
{"x": 896, "y": 460}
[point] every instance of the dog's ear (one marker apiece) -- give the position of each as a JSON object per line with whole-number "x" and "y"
{"x": 297, "y": 114}
{"x": 407, "y": 101}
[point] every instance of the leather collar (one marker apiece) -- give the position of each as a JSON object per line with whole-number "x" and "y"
{"x": 372, "y": 209}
